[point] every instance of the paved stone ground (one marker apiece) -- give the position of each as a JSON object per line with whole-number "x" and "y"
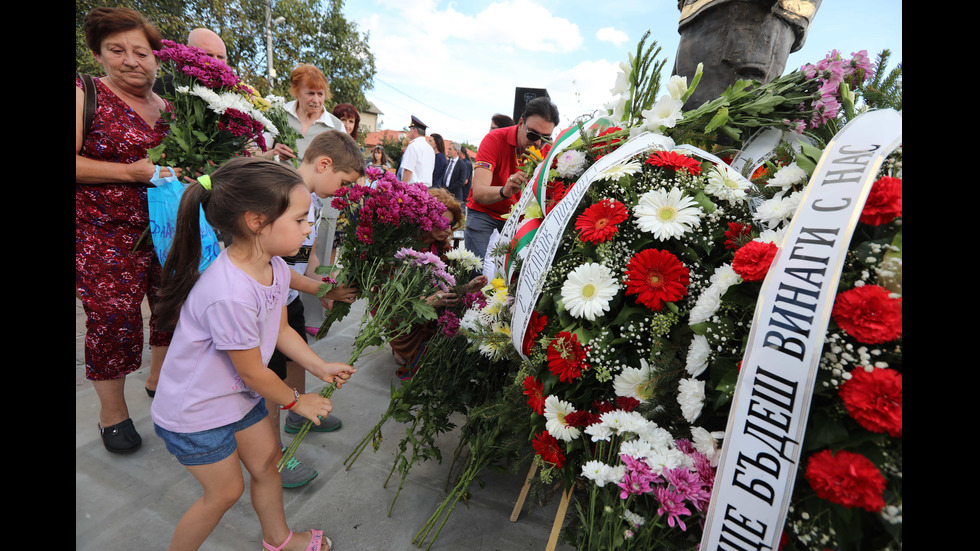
{"x": 133, "y": 502}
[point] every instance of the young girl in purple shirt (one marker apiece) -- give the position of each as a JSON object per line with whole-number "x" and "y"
{"x": 210, "y": 401}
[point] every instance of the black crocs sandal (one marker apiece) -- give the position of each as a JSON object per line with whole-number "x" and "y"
{"x": 121, "y": 437}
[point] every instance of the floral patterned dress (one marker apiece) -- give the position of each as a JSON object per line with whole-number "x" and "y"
{"x": 110, "y": 277}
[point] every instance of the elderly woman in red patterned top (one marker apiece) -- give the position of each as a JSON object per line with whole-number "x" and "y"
{"x": 112, "y": 174}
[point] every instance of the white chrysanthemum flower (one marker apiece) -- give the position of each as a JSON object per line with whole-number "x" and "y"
{"x": 779, "y": 209}
{"x": 555, "y": 410}
{"x": 633, "y": 382}
{"x": 465, "y": 258}
{"x": 677, "y": 87}
{"x": 698, "y": 355}
{"x": 690, "y": 396}
{"x": 637, "y": 448}
{"x": 665, "y": 113}
{"x": 724, "y": 277}
{"x": 570, "y": 163}
{"x": 667, "y": 214}
{"x": 600, "y": 473}
{"x": 620, "y": 421}
{"x": 657, "y": 436}
{"x": 774, "y": 236}
{"x": 707, "y": 443}
{"x": 470, "y": 322}
{"x": 599, "y": 432}
{"x": 727, "y": 184}
{"x": 588, "y": 290}
{"x": 707, "y": 304}
{"x": 789, "y": 175}
{"x": 182, "y": 89}
{"x": 633, "y": 518}
{"x": 619, "y": 170}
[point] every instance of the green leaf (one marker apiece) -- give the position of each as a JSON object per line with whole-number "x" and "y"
{"x": 720, "y": 118}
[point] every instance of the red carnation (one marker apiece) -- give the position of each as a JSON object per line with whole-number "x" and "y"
{"x": 581, "y": 418}
{"x": 874, "y": 399}
{"x": 676, "y": 161}
{"x": 548, "y": 448}
{"x": 869, "y": 314}
{"x": 884, "y": 202}
{"x": 566, "y": 357}
{"x": 535, "y": 325}
{"x": 847, "y": 479}
{"x": 737, "y": 235}
{"x": 534, "y": 391}
{"x": 598, "y": 222}
{"x": 752, "y": 260}
{"x": 627, "y": 403}
{"x": 656, "y": 277}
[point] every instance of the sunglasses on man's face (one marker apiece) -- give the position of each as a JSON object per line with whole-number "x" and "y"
{"x": 533, "y": 136}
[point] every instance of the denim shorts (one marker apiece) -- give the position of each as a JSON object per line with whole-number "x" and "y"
{"x": 212, "y": 445}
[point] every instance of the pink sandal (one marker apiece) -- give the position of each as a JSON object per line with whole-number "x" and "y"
{"x": 316, "y": 540}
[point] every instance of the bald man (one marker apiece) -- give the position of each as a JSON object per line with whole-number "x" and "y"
{"x": 209, "y": 41}
{"x": 205, "y": 39}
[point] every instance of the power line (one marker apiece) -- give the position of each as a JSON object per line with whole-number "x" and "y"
{"x": 419, "y": 101}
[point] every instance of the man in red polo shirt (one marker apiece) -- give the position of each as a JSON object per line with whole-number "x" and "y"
{"x": 496, "y": 178}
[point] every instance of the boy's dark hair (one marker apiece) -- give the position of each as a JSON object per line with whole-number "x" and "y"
{"x": 340, "y": 148}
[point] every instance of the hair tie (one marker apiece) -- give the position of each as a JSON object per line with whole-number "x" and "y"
{"x": 205, "y": 182}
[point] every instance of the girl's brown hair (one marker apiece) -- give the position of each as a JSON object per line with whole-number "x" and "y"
{"x": 243, "y": 184}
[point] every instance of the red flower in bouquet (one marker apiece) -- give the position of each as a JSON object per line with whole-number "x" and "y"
{"x": 581, "y": 418}
{"x": 737, "y": 235}
{"x": 675, "y": 161}
{"x": 601, "y": 143}
{"x": 548, "y": 448}
{"x": 884, "y": 202}
{"x": 534, "y": 391}
{"x": 196, "y": 63}
{"x": 535, "y": 325}
{"x": 656, "y": 277}
{"x": 598, "y": 223}
{"x": 752, "y": 260}
{"x": 566, "y": 357}
{"x": 869, "y": 314}
{"x": 847, "y": 479}
{"x": 874, "y": 399}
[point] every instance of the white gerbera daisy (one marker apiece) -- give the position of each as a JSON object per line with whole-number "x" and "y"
{"x": 690, "y": 396}
{"x": 555, "y": 410}
{"x": 588, "y": 290}
{"x": 617, "y": 171}
{"x": 667, "y": 214}
{"x": 698, "y": 355}
{"x": 727, "y": 184}
{"x": 634, "y": 382}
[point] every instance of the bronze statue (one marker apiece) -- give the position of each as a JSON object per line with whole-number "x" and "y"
{"x": 738, "y": 39}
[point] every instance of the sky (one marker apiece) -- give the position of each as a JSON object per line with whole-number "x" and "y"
{"x": 453, "y": 64}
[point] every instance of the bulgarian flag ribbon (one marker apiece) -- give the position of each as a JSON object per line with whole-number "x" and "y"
{"x": 520, "y": 232}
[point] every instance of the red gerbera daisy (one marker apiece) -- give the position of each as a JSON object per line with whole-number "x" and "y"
{"x": 884, "y": 203}
{"x": 535, "y": 325}
{"x": 847, "y": 479}
{"x": 600, "y": 143}
{"x": 548, "y": 448}
{"x": 598, "y": 222}
{"x": 737, "y": 235}
{"x": 656, "y": 277}
{"x": 566, "y": 357}
{"x": 874, "y": 399}
{"x": 557, "y": 190}
{"x": 752, "y": 260}
{"x": 676, "y": 161}
{"x": 869, "y": 314}
{"x": 534, "y": 391}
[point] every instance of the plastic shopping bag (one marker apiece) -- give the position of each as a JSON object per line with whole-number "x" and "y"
{"x": 163, "y": 201}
